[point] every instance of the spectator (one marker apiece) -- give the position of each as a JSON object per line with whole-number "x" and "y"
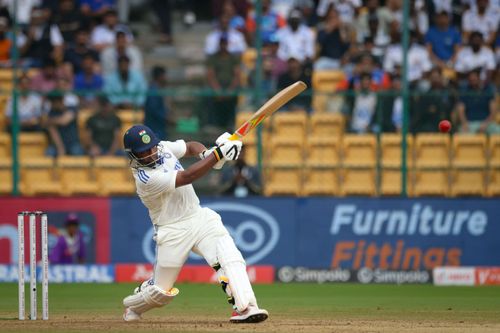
{"x": 75, "y": 53}
{"x": 477, "y": 108}
{"x": 271, "y": 23}
{"x": 156, "y": 109}
{"x": 475, "y": 56}
{"x": 434, "y": 105}
{"x": 62, "y": 128}
{"x": 236, "y": 22}
{"x": 104, "y": 130}
{"x": 163, "y": 10}
{"x": 5, "y": 41}
{"x": 373, "y": 10}
{"x": 104, "y": 35}
{"x": 69, "y": 20}
{"x": 125, "y": 87}
{"x": 23, "y": 10}
{"x": 347, "y": 9}
{"x": 122, "y": 47}
{"x": 419, "y": 61}
{"x": 42, "y": 39}
{"x": 395, "y": 8}
{"x": 46, "y": 79}
{"x": 366, "y": 64}
{"x": 333, "y": 43}
{"x": 235, "y": 40}
{"x": 296, "y": 40}
{"x": 419, "y": 21}
{"x": 96, "y": 8}
{"x": 272, "y": 66}
{"x": 241, "y": 7}
{"x": 65, "y": 88}
{"x": 296, "y": 73}
{"x": 389, "y": 117}
{"x": 88, "y": 82}
{"x": 363, "y": 109}
{"x": 443, "y": 41}
{"x": 376, "y": 35}
{"x": 241, "y": 179}
{"x": 481, "y": 18}
{"x": 29, "y": 107}
{"x": 223, "y": 75}
{"x": 70, "y": 246}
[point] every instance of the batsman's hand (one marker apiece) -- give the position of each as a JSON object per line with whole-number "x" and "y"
{"x": 208, "y": 152}
{"x": 224, "y": 137}
{"x": 230, "y": 150}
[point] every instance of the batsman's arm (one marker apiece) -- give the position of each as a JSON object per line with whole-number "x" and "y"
{"x": 194, "y": 148}
{"x": 195, "y": 171}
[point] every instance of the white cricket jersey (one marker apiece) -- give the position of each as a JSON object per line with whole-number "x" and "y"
{"x": 156, "y": 187}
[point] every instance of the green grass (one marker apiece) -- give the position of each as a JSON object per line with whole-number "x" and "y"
{"x": 332, "y": 304}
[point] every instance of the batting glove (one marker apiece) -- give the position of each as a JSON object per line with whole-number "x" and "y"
{"x": 208, "y": 152}
{"x": 222, "y": 138}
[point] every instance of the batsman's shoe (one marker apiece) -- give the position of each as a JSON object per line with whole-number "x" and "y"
{"x": 251, "y": 315}
{"x": 130, "y": 315}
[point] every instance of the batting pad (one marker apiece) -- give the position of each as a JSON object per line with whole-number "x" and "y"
{"x": 149, "y": 297}
{"x": 232, "y": 262}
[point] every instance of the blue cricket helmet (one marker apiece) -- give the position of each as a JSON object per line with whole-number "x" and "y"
{"x": 139, "y": 138}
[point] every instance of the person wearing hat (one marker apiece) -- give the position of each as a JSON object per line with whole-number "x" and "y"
{"x": 70, "y": 246}
{"x": 296, "y": 39}
{"x": 182, "y": 225}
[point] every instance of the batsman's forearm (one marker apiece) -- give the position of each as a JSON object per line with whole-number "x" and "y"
{"x": 195, "y": 171}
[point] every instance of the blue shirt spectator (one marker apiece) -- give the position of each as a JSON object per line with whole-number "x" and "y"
{"x": 125, "y": 88}
{"x": 156, "y": 110}
{"x": 443, "y": 40}
{"x": 88, "y": 82}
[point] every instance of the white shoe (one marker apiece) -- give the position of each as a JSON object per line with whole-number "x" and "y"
{"x": 251, "y": 315}
{"x": 130, "y": 315}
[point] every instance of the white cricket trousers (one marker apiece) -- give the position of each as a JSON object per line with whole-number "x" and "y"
{"x": 199, "y": 233}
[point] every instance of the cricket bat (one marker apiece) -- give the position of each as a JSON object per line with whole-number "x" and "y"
{"x": 272, "y": 105}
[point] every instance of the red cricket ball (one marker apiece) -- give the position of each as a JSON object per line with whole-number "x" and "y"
{"x": 444, "y": 126}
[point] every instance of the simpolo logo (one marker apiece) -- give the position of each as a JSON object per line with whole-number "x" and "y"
{"x": 255, "y": 231}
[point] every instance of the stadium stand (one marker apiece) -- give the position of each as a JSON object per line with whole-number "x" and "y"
{"x": 5, "y": 175}
{"x": 38, "y": 177}
{"x": 113, "y": 176}
{"x": 76, "y": 175}
{"x": 321, "y": 181}
{"x": 327, "y": 124}
{"x": 283, "y": 181}
{"x": 32, "y": 145}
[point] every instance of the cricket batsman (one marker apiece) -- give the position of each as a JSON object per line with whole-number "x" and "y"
{"x": 182, "y": 225}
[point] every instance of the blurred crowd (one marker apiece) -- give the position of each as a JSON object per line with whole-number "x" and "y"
{"x": 83, "y": 46}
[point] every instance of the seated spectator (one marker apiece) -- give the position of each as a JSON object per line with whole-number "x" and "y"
{"x": 74, "y": 53}
{"x": 236, "y": 21}
{"x": 372, "y": 11}
{"x": 477, "y": 108}
{"x": 366, "y": 64}
{"x": 296, "y": 73}
{"x": 419, "y": 21}
{"x": 443, "y": 41}
{"x": 235, "y": 40}
{"x": 296, "y": 40}
{"x": 271, "y": 23}
{"x": 432, "y": 106}
{"x": 395, "y": 8}
{"x": 347, "y": 9}
{"x": 419, "y": 61}
{"x": 88, "y": 82}
{"x": 122, "y": 47}
{"x": 376, "y": 35}
{"x": 223, "y": 75}
{"x": 156, "y": 109}
{"x": 5, "y": 42}
{"x": 23, "y": 10}
{"x": 104, "y": 35}
{"x": 70, "y": 246}
{"x": 104, "y": 130}
{"x": 29, "y": 107}
{"x": 481, "y": 18}
{"x": 363, "y": 106}
{"x": 42, "y": 39}
{"x": 476, "y": 55}
{"x": 96, "y": 8}
{"x": 389, "y": 117}
{"x": 333, "y": 43}
{"x": 62, "y": 128}
{"x": 65, "y": 88}
{"x": 46, "y": 79}
{"x": 272, "y": 67}
{"x": 125, "y": 87}
{"x": 241, "y": 179}
{"x": 69, "y": 19}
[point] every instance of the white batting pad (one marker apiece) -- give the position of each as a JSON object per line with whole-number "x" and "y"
{"x": 232, "y": 262}
{"x": 149, "y": 297}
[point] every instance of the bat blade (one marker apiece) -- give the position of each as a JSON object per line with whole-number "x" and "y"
{"x": 271, "y": 106}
